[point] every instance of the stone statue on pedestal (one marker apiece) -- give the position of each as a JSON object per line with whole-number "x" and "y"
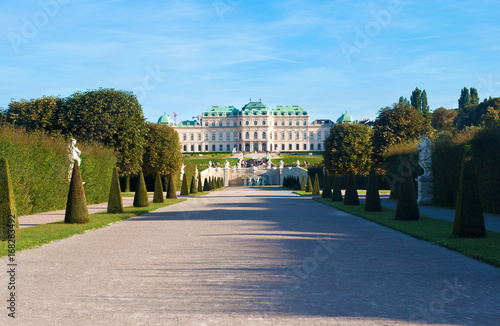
{"x": 182, "y": 170}
{"x": 226, "y": 164}
{"x": 281, "y": 164}
{"x": 424, "y": 157}
{"x": 298, "y": 163}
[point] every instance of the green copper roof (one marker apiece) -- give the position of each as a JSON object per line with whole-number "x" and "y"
{"x": 345, "y": 118}
{"x": 221, "y": 111}
{"x": 289, "y": 110}
{"x": 188, "y": 123}
{"x": 254, "y": 108}
{"x": 166, "y": 120}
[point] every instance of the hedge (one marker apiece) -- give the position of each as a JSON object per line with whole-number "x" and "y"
{"x": 39, "y": 170}
{"x": 447, "y": 157}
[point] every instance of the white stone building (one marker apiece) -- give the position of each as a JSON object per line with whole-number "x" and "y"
{"x": 253, "y": 128}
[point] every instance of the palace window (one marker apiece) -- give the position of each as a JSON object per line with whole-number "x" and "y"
{"x": 319, "y": 147}
{"x": 192, "y": 148}
{"x": 305, "y": 135}
{"x": 206, "y": 148}
{"x": 199, "y": 148}
{"x": 213, "y": 148}
{"x": 255, "y": 135}
{"x": 289, "y": 147}
{"x": 228, "y": 148}
{"x": 220, "y": 135}
{"x": 298, "y": 135}
{"x": 255, "y": 122}
{"x": 305, "y": 122}
{"x": 213, "y": 136}
{"x": 282, "y": 123}
{"x": 264, "y": 135}
{"x": 206, "y": 136}
{"x": 192, "y": 136}
{"x": 247, "y": 135}
{"x": 282, "y": 136}
{"x": 290, "y": 136}
{"x": 263, "y": 123}
{"x": 247, "y": 122}
{"x": 312, "y": 147}
{"x": 185, "y": 148}
{"x": 297, "y": 147}
{"x": 220, "y": 123}
{"x": 221, "y": 148}
{"x": 305, "y": 147}
{"x": 319, "y": 135}
{"x": 311, "y": 135}
{"x": 199, "y": 136}
{"x": 227, "y": 123}
{"x": 213, "y": 123}
{"x": 297, "y": 123}
{"x": 290, "y": 123}
{"x": 235, "y": 136}
{"x": 282, "y": 147}
{"x": 228, "y": 136}
{"x": 183, "y": 136}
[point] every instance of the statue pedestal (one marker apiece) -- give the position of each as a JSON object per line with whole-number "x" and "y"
{"x": 425, "y": 190}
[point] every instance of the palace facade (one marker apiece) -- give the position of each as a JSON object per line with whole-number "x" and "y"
{"x": 253, "y": 128}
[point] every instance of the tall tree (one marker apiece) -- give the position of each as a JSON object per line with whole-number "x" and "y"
{"x": 162, "y": 150}
{"x": 416, "y": 99}
{"x": 348, "y": 147}
{"x": 403, "y": 100}
{"x": 442, "y": 119}
{"x": 394, "y": 125}
{"x": 464, "y": 100}
{"x": 425, "y": 107}
{"x": 474, "y": 96}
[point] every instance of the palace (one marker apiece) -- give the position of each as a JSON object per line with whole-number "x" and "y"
{"x": 253, "y": 128}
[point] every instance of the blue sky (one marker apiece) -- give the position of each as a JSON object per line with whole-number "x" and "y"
{"x": 185, "y": 56}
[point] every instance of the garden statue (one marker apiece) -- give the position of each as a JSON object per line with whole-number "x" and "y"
{"x": 281, "y": 164}
{"x": 209, "y": 164}
{"x": 74, "y": 155}
{"x": 238, "y": 165}
{"x": 298, "y": 163}
{"x": 182, "y": 170}
{"x": 268, "y": 157}
{"x": 226, "y": 164}
{"x": 424, "y": 157}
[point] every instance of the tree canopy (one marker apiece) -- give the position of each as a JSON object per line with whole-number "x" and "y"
{"x": 442, "y": 119}
{"x": 348, "y": 148}
{"x": 163, "y": 150}
{"x": 418, "y": 101}
{"x": 475, "y": 115}
{"x": 468, "y": 98}
{"x": 395, "y": 125}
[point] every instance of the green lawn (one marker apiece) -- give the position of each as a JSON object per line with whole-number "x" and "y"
{"x": 303, "y": 193}
{"x": 36, "y": 236}
{"x": 313, "y": 159}
{"x": 132, "y": 194}
{"x": 436, "y": 231}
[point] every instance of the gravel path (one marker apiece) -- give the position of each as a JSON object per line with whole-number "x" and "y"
{"x": 249, "y": 256}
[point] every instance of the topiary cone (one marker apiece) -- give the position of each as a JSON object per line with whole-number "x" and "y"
{"x": 184, "y": 186}
{"x": 407, "y": 206}
{"x": 158, "y": 195}
{"x": 205, "y": 185}
{"x": 351, "y": 193}
{"x": 9, "y": 227}
{"x": 141, "y": 193}
{"x": 336, "y": 191}
{"x": 194, "y": 187}
{"x": 315, "y": 190}
{"x": 200, "y": 186}
{"x": 171, "y": 190}
{"x": 309, "y": 187}
{"x": 115, "y": 203}
{"x": 76, "y": 206}
{"x": 327, "y": 188}
{"x": 469, "y": 219}
{"x": 303, "y": 183}
{"x": 372, "y": 201}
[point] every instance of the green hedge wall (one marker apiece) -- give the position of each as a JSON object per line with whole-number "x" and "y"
{"x": 447, "y": 156}
{"x": 39, "y": 170}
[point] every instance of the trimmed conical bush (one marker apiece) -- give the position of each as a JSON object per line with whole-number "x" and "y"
{"x": 469, "y": 219}
{"x": 184, "y": 186}
{"x": 9, "y": 227}
{"x": 194, "y": 187}
{"x": 171, "y": 190}
{"x": 372, "y": 201}
{"x": 315, "y": 189}
{"x": 351, "y": 197}
{"x": 158, "y": 194}
{"x": 336, "y": 191}
{"x": 115, "y": 203}
{"x": 206, "y": 187}
{"x": 200, "y": 186}
{"x": 309, "y": 187}
{"x": 303, "y": 183}
{"x": 327, "y": 188}
{"x": 76, "y": 206}
{"x": 407, "y": 206}
{"x": 141, "y": 193}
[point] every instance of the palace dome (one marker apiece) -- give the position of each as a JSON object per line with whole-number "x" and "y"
{"x": 166, "y": 120}
{"x": 345, "y": 118}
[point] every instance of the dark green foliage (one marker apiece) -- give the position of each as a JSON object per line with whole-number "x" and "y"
{"x": 348, "y": 147}
{"x": 194, "y": 188}
{"x": 162, "y": 150}
{"x": 158, "y": 194}
{"x": 141, "y": 193}
{"x": 171, "y": 190}
{"x": 115, "y": 203}
{"x": 407, "y": 206}
{"x": 39, "y": 170}
{"x": 469, "y": 220}
{"x": 351, "y": 193}
{"x": 309, "y": 187}
{"x": 473, "y": 115}
{"x": 327, "y": 188}
{"x": 184, "y": 186}
{"x": 303, "y": 183}
{"x": 315, "y": 189}
{"x": 206, "y": 187}
{"x": 372, "y": 200}
{"x": 336, "y": 191}
{"x": 396, "y": 125}
{"x": 200, "y": 186}
{"x": 418, "y": 100}
{"x": 76, "y": 206}
{"x": 8, "y": 216}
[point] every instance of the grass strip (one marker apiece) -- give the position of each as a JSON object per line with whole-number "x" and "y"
{"x": 36, "y": 236}
{"x": 437, "y": 231}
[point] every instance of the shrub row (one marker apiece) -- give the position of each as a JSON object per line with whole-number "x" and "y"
{"x": 39, "y": 170}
